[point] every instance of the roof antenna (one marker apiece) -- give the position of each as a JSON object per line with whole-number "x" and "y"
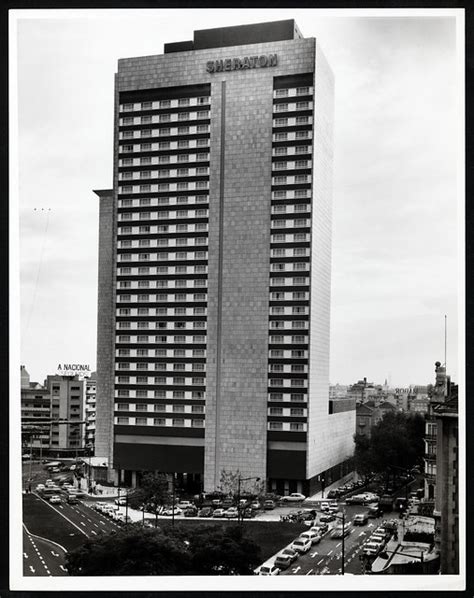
{"x": 445, "y": 339}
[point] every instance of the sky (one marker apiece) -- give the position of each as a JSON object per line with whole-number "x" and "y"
{"x": 397, "y": 149}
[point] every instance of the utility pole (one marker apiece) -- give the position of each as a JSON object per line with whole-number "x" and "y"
{"x": 172, "y": 506}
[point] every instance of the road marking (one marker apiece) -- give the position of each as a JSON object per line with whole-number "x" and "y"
{"x": 337, "y": 545}
{"x": 32, "y": 569}
{"x": 330, "y": 552}
{"x": 61, "y": 507}
{"x": 313, "y": 554}
{"x": 54, "y": 553}
{"x": 309, "y": 572}
{"x": 101, "y": 522}
{"x": 82, "y": 523}
{"x": 319, "y": 562}
{"x": 63, "y": 568}
{"x": 296, "y": 569}
{"x": 25, "y": 555}
{"x": 361, "y": 534}
{"x": 48, "y": 571}
{"x": 93, "y": 532}
{"x": 89, "y": 520}
{"x": 96, "y": 524}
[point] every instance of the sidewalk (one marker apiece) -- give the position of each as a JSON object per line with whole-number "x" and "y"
{"x": 333, "y": 486}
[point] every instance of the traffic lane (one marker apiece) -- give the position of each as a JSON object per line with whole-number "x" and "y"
{"x": 42, "y": 557}
{"x": 90, "y": 522}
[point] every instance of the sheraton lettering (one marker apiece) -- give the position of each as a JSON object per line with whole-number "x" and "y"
{"x": 235, "y": 64}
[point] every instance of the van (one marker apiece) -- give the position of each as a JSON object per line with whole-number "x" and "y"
{"x": 312, "y": 536}
{"x": 283, "y": 561}
{"x": 269, "y": 570}
{"x": 301, "y": 545}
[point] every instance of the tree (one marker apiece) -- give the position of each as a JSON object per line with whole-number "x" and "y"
{"x": 204, "y": 550}
{"x": 153, "y": 491}
{"x": 396, "y": 442}
{"x": 130, "y": 551}
{"x": 229, "y": 484}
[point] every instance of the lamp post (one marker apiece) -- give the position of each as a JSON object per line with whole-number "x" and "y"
{"x": 239, "y": 480}
{"x": 343, "y": 518}
{"x": 172, "y": 505}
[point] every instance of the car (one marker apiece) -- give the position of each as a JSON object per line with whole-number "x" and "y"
{"x": 231, "y": 512}
{"x": 333, "y": 494}
{"x": 72, "y": 500}
{"x": 301, "y": 545}
{"x": 293, "y": 497}
{"x": 97, "y": 506}
{"x": 327, "y": 518}
{"x": 320, "y": 528}
{"x": 248, "y": 513}
{"x": 311, "y": 535}
{"x": 339, "y": 531}
{"x": 227, "y": 503}
{"x": 324, "y": 506}
{"x": 216, "y": 502}
{"x": 357, "y": 499}
{"x": 268, "y": 505}
{"x": 205, "y": 512}
{"x": 379, "y": 538}
{"x": 283, "y": 561}
{"x": 255, "y": 505}
{"x": 333, "y": 509}
{"x": 293, "y": 554}
{"x": 168, "y": 512}
{"x": 40, "y": 487}
{"x": 109, "y": 510}
{"x": 371, "y": 549}
{"x": 360, "y": 519}
{"x": 121, "y": 518}
{"x": 55, "y": 500}
{"x": 184, "y": 504}
{"x": 190, "y": 511}
{"x": 269, "y": 570}
{"x": 375, "y": 511}
{"x": 218, "y": 513}
{"x": 122, "y": 501}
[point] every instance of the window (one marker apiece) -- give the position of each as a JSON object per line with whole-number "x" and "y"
{"x": 141, "y": 407}
{"x": 127, "y": 107}
{"x": 202, "y": 128}
{"x": 302, "y": 134}
{"x": 165, "y": 118}
{"x": 145, "y": 120}
{"x": 296, "y": 427}
{"x": 165, "y": 104}
{"x": 183, "y": 130}
{"x": 281, "y": 93}
{"x": 281, "y": 107}
{"x": 145, "y": 133}
{"x": 183, "y": 143}
{"x": 145, "y": 188}
{"x": 276, "y": 425}
{"x": 297, "y": 397}
{"x": 183, "y": 102}
{"x": 145, "y": 147}
{"x": 159, "y": 421}
{"x": 183, "y": 116}
{"x": 197, "y": 423}
{"x": 123, "y": 407}
{"x": 178, "y": 422}
{"x": 127, "y": 134}
{"x": 281, "y": 122}
{"x": 178, "y": 408}
{"x": 281, "y": 151}
{"x": 301, "y": 91}
{"x": 163, "y": 145}
{"x": 140, "y": 421}
{"x": 122, "y": 420}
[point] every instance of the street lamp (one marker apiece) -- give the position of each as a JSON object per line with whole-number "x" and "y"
{"x": 239, "y": 480}
{"x": 342, "y": 516}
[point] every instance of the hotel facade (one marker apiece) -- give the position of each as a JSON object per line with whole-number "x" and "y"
{"x": 215, "y": 265}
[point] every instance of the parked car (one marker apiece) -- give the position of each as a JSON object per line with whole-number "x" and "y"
{"x": 327, "y": 518}
{"x": 283, "y": 561}
{"x": 255, "y": 505}
{"x": 55, "y": 499}
{"x": 227, "y": 503}
{"x": 293, "y": 554}
{"x": 248, "y": 513}
{"x": 184, "y": 504}
{"x": 40, "y": 487}
{"x": 190, "y": 511}
{"x": 311, "y": 535}
{"x": 216, "y": 502}
{"x": 293, "y": 497}
{"x": 360, "y": 519}
{"x": 334, "y": 494}
{"x": 218, "y": 513}
{"x": 301, "y": 545}
{"x": 168, "y": 512}
{"x": 268, "y": 505}
{"x": 357, "y": 499}
{"x": 320, "y": 528}
{"x": 205, "y": 512}
{"x": 231, "y": 512}
{"x": 324, "y": 506}
{"x": 269, "y": 570}
{"x": 371, "y": 549}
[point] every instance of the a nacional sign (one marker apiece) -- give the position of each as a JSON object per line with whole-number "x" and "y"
{"x": 237, "y": 64}
{"x": 73, "y": 369}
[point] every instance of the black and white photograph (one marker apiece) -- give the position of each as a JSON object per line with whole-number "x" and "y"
{"x": 237, "y": 258}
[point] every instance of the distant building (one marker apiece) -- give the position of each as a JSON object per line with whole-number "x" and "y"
{"x": 420, "y": 404}
{"x": 361, "y": 391}
{"x": 35, "y": 414}
{"x": 441, "y": 468}
{"x": 90, "y": 411}
{"x": 67, "y": 395}
{"x": 368, "y": 414}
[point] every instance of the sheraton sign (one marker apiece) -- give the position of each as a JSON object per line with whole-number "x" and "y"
{"x": 237, "y": 64}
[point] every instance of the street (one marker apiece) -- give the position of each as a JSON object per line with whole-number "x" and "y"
{"x": 42, "y": 557}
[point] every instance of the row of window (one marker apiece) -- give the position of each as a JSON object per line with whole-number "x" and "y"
{"x": 160, "y": 229}
{"x": 178, "y": 186}
{"x": 290, "y": 383}
{"x": 160, "y": 421}
{"x": 153, "y": 146}
{"x": 287, "y": 426}
{"x": 295, "y": 368}
{"x": 163, "y": 311}
{"x": 293, "y": 223}
{"x": 292, "y": 397}
{"x": 175, "y": 381}
{"x": 162, "y": 367}
{"x": 291, "y": 165}
{"x": 171, "y": 408}
{"x": 292, "y": 412}
{"x": 290, "y": 238}
{"x": 292, "y": 150}
{"x": 163, "y": 174}
{"x": 292, "y": 121}
{"x": 290, "y": 267}
{"x": 291, "y": 193}
{"x": 177, "y": 339}
{"x": 167, "y": 117}
{"x": 172, "y": 394}
{"x": 291, "y": 179}
{"x": 165, "y": 132}
{"x": 292, "y": 91}
{"x": 165, "y": 159}
{"x": 164, "y": 104}
{"x": 289, "y": 107}
{"x": 292, "y": 135}
{"x": 292, "y": 252}
{"x": 179, "y": 297}
{"x": 287, "y": 311}
{"x": 293, "y": 354}
{"x": 164, "y": 242}
{"x": 290, "y": 282}
{"x": 161, "y": 352}
{"x": 160, "y": 201}
{"x": 163, "y": 325}
{"x": 164, "y": 284}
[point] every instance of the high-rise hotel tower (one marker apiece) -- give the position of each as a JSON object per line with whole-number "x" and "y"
{"x": 215, "y": 264}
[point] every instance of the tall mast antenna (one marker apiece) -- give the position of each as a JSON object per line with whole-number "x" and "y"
{"x": 445, "y": 338}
